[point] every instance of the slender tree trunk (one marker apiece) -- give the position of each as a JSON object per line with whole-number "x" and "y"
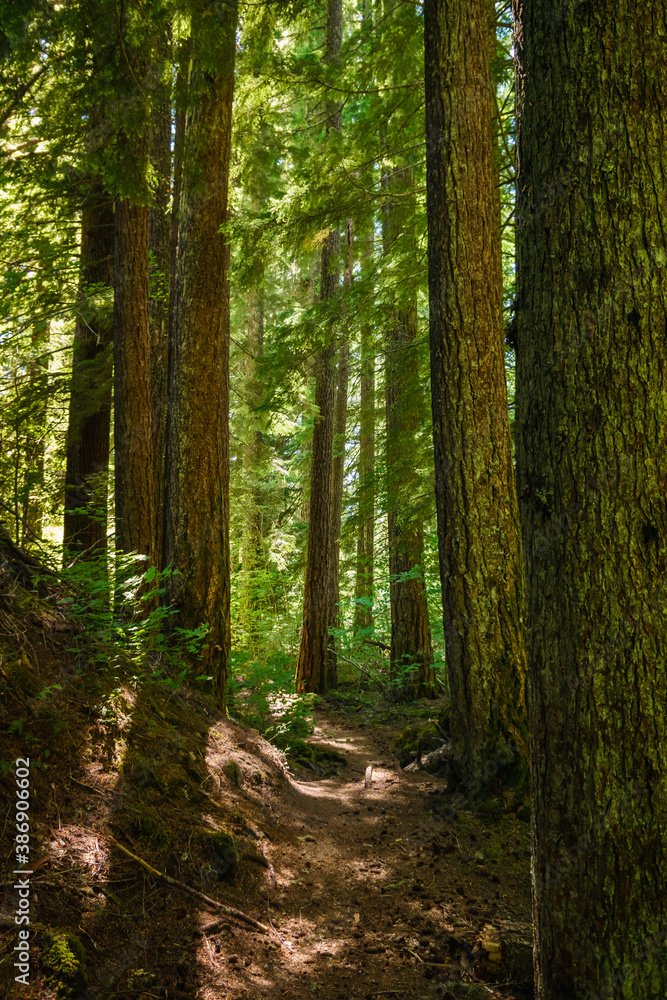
{"x": 363, "y": 593}
{"x": 410, "y": 627}
{"x": 197, "y": 506}
{"x": 35, "y": 445}
{"x": 316, "y": 663}
{"x": 307, "y": 447}
{"x": 592, "y": 474}
{"x": 159, "y": 243}
{"x": 315, "y": 649}
{"x": 253, "y": 454}
{"x": 478, "y": 530}
{"x": 133, "y": 443}
{"x": 340, "y": 427}
{"x": 180, "y": 107}
{"x": 85, "y": 527}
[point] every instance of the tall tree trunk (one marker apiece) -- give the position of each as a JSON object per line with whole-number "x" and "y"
{"x": 313, "y": 667}
{"x": 363, "y": 592}
{"x": 410, "y": 628}
{"x": 180, "y": 113}
{"x": 340, "y": 427}
{"x": 35, "y": 444}
{"x": 85, "y": 527}
{"x": 253, "y": 453}
{"x": 133, "y": 443}
{"x": 159, "y": 243}
{"x": 315, "y": 649}
{"x": 307, "y": 447}
{"x": 197, "y": 506}
{"x": 592, "y": 474}
{"x": 478, "y": 529}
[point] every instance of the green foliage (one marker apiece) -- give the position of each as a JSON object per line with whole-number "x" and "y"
{"x": 261, "y": 694}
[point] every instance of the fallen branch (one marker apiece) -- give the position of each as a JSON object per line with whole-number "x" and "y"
{"x": 230, "y": 911}
{"x": 380, "y": 645}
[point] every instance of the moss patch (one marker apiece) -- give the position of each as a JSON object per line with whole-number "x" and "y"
{"x": 63, "y": 959}
{"x": 406, "y": 745}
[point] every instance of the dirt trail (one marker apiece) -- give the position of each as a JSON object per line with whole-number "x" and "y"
{"x": 373, "y": 891}
{"x": 376, "y": 894}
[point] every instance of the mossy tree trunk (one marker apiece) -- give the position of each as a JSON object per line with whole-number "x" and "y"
{"x": 479, "y": 542}
{"x": 197, "y": 502}
{"x": 592, "y": 481}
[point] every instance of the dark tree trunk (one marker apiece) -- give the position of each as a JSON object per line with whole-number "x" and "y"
{"x": 478, "y": 528}
{"x": 410, "y": 628}
{"x": 85, "y": 527}
{"x": 133, "y": 443}
{"x": 197, "y": 505}
{"x": 363, "y": 592}
{"x": 315, "y": 650}
{"x": 592, "y": 475}
{"x": 316, "y": 665}
{"x": 35, "y": 444}
{"x": 340, "y": 427}
{"x": 159, "y": 243}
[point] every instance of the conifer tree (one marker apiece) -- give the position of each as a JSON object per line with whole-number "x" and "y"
{"x": 197, "y": 502}
{"x": 410, "y": 628}
{"x": 478, "y": 530}
{"x": 591, "y": 473}
{"x": 316, "y": 663}
{"x": 85, "y": 524}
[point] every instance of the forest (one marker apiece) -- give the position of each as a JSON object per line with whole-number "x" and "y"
{"x": 333, "y": 499}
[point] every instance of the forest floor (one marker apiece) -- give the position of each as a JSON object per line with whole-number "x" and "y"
{"x": 364, "y": 892}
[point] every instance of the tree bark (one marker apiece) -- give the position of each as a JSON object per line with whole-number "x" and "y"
{"x": 35, "y": 443}
{"x": 363, "y": 592}
{"x": 338, "y": 473}
{"x": 197, "y": 506}
{"x": 410, "y": 629}
{"x": 315, "y": 650}
{"x": 159, "y": 243}
{"x": 591, "y": 471}
{"x": 316, "y": 664}
{"x": 411, "y": 658}
{"x": 133, "y": 442}
{"x": 85, "y": 525}
{"x": 478, "y": 528}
